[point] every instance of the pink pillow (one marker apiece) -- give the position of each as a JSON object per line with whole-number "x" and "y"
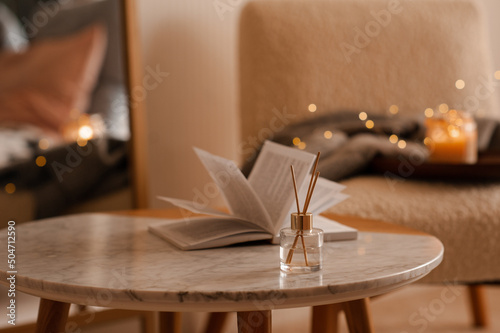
{"x": 52, "y": 81}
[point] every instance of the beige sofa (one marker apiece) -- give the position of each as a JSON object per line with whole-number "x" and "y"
{"x": 368, "y": 55}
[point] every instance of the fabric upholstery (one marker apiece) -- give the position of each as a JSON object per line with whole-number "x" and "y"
{"x": 367, "y": 55}
{"x": 464, "y": 216}
{"x": 46, "y": 84}
{"x": 291, "y": 55}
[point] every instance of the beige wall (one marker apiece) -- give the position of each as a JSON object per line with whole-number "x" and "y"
{"x": 493, "y": 15}
{"x": 196, "y": 104}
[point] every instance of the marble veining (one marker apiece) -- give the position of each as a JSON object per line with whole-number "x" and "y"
{"x": 109, "y": 260}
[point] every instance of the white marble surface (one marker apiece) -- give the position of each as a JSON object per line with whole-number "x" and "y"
{"x": 113, "y": 261}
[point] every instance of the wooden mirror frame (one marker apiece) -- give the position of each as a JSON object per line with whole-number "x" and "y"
{"x": 138, "y": 141}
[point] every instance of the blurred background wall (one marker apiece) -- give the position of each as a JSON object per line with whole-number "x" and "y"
{"x": 195, "y": 42}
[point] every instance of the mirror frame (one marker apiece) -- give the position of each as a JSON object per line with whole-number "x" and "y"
{"x": 138, "y": 141}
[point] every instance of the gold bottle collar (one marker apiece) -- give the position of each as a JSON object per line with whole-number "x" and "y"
{"x": 302, "y": 221}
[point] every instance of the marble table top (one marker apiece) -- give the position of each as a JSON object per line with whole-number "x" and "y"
{"x": 113, "y": 261}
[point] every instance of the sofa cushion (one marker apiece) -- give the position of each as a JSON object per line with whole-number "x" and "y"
{"x": 464, "y": 216}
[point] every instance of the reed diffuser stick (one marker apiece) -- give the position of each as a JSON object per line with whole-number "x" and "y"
{"x": 310, "y": 190}
{"x": 311, "y": 181}
{"x": 304, "y": 247}
{"x": 290, "y": 253}
{"x": 308, "y": 200}
{"x": 295, "y": 189}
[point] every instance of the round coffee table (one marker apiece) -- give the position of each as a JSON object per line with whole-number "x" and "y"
{"x": 112, "y": 260}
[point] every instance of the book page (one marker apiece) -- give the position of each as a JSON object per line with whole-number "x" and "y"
{"x": 333, "y": 230}
{"x": 326, "y": 194}
{"x": 193, "y": 207}
{"x": 206, "y": 232}
{"x": 241, "y": 199}
{"x": 272, "y": 180}
{"x": 334, "y": 199}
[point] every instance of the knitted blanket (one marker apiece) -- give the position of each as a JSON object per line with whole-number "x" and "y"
{"x": 348, "y": 146}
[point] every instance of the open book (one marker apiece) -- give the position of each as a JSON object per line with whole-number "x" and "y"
{"x": 259, "y": 207}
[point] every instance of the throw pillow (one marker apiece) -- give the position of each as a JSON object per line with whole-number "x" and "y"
{"x": 52, "y": 81}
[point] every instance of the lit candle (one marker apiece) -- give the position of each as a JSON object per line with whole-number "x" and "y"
{"x": 452, "y": 138}
{"x": 83, "y": 128}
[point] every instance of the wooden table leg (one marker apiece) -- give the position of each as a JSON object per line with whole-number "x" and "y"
{"x": 358, "y": 316}
{"x": 52, "y": 316}
{"x": 254, "y": 321}
{"x": 478, "y": 305}
{"x": 149, "y": 322}
{"x": 325, "y": 318}
{"x": 170, "y": 322}
{"x": 216, "y": 321}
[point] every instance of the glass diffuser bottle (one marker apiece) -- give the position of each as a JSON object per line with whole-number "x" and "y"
{"x": 301, "y": 244}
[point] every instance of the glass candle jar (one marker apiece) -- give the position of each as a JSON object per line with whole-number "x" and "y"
{"x": 301, "y": 245}
{"x": 452, "y": 138}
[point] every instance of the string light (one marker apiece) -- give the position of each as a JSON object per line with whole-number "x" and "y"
{"x": 393, "y": 138}
{"x": 460, "y": 84}
{"x": 41, "y": 161}
{"x": 81, "y": 142}
{"x": 43, "y": 144}
{"x": 402, "y": 144}
{"x": 497, "y": 75}
{"x": 302, "y": 145}
{"x": 369, "y": 124}
{"x": 296, "y": 141}
{"x": 85, "y": 132}
{"x": 453, "y": 131}
{"x": 427, "y": 141}
{"x": 394, "y": 109}
{"x": 429, "y": 112}
{"x": 312, "y": 108}
{"x": 10, "y": 188}
{"x": 328, "y": 134}
{"x": 443, "y": 108}
{"x": 363, "y": 116}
